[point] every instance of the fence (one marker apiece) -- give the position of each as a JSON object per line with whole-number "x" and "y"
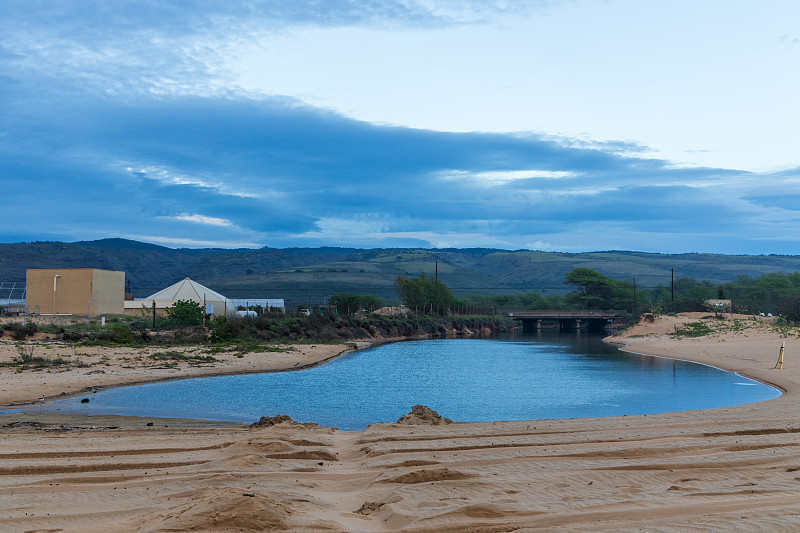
{"x": 12, "y": 296}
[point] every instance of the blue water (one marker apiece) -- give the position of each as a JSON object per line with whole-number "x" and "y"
{"x": 521, "y": 377}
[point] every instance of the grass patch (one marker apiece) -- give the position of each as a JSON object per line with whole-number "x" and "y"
{"x": 692, "y": 329}
{"x": 176, "y": 356}
{"x": 247, "y": 347}
{"x": 27, "y": 360}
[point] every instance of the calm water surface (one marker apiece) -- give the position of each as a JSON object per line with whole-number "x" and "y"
{"x": 520, "y": 377}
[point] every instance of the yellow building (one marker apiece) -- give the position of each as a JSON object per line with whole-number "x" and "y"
{"x": 75, "y": 291}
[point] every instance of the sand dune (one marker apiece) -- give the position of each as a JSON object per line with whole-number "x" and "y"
{"x": 731, "y": 469}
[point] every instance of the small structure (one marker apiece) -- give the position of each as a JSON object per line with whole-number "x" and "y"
{"x": 186, "y": 289}
{"x": 328, "y": 310}
{"x": 719, "y": 305}
{"x": 74, "y": 291}
{"x": 267, "y": 304}
{"x": 12, "y": 297}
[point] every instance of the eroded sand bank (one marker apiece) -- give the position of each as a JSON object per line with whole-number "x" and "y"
{"x": 732, "y": 469}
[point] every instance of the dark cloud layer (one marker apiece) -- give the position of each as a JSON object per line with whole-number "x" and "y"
{"x": 112, "y": 125}
{"x": 255, "y": 171}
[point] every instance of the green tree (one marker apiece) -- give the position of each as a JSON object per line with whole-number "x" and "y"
{"x": 690, "y": 295}
{"x": 423, "y": 292}
{"x": 352, "y": 303}
{"x": 763, "y": 294}
{"x": 789, "y": 308}
{"x": 186, "y": 313}
{"x": 596, "y": 291}
{"x": 530, "y": 300}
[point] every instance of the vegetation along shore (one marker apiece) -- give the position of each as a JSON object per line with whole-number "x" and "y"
{"x": 730, "y": 469}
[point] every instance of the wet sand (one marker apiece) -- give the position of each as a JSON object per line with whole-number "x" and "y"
{"x": 730, "y": 469}
{"x": 86, "y": 367}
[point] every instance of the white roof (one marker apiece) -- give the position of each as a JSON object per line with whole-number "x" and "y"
{"x": 187, "y": 289}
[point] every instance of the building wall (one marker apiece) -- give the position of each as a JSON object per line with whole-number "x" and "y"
{"x": 108, "y": 292}
{"x": 74, "y": 289}
{"x": 134, "y": 308}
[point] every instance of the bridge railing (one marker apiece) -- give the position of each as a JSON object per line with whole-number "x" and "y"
{"x": 560, "y": 313}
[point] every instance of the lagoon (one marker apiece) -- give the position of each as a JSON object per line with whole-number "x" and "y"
{"x": 511, "y": 377}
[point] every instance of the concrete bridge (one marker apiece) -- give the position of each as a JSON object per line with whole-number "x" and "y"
{"x": 567, "y": 320}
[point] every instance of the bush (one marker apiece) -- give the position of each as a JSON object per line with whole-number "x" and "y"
{"x": 20, "y": 332}
{"x": 186, "y": 313}
{"x": 72, "y": 336}
{"x": 692, "y": 329}
{"x": 172, "y": 355}
{"x": 424, "y": 292}
{"x": 789, "y": 308}
{"x": 222, "y": 331}
{"x": 353, "y": 303}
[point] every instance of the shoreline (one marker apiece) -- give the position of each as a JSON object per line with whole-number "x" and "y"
{"x": 110, "y": 367}
{"x": 147, "y": 381}
{"x": 346, "y": 348}
{"x": 624, "y": 347}
{"x": 724, "y": 469}
{"x": 351, "y": 347}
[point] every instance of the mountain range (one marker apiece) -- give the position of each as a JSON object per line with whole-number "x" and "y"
{"x": 310, "y": 275}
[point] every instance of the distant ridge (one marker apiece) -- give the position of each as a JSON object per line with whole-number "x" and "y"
{"x": 309, "y": 275}
{"x": 118, "y": 243}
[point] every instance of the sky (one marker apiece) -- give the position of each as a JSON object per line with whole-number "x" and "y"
{"x": 660, "y": 126}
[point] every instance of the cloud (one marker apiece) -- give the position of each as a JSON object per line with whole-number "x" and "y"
{"x": 116, "y": 121}
{"x": 202, "y": 219}
{"x": 133, "y": 47}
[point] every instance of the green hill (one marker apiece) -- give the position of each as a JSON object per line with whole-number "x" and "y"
{"x": 310, "y": 275}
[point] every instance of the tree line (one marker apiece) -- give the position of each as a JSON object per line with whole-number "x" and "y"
{"x": 776, "y": 293}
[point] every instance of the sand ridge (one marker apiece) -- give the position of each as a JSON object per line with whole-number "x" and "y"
{"x": 729, "y": 469}
{"x": 88, "y": 367}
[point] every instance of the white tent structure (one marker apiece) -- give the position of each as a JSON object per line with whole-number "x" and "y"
{"x": 185, "y": 289}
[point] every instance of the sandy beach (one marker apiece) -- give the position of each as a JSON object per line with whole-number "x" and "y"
{"x": 729, "y": 469}
{"x": 94, "y": 367}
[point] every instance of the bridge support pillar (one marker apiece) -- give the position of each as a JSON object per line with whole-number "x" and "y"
{"x": 567, "y": 324}
{"x": 597, "y": 325}
{"x": 531, "y": 326}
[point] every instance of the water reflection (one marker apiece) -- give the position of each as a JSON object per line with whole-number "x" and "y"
{"x": 513, "y": 377}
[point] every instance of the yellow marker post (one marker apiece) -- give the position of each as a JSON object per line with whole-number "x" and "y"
{"x": 779, "y": 364}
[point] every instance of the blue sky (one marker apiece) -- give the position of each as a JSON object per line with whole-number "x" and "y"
{"x": 569, "y": 126}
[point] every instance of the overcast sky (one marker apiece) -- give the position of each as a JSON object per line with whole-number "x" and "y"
{"x": 665, "y": 126}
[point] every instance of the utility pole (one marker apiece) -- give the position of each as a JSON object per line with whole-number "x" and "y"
{"x": 673, "y": 284}
{"x": 437, "y": 271}
{"x": 634, "y": 295}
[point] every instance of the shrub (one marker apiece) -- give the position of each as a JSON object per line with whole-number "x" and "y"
{"x": 692, "y": 329}
{"x": 173, "y": 355}
{"x": 20, "y": 332}
{"x": 186, "y": 313}
{"x": 222, "y": 331}
{"x": 789, "y": 308}
{"x": 71, "y": 336}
